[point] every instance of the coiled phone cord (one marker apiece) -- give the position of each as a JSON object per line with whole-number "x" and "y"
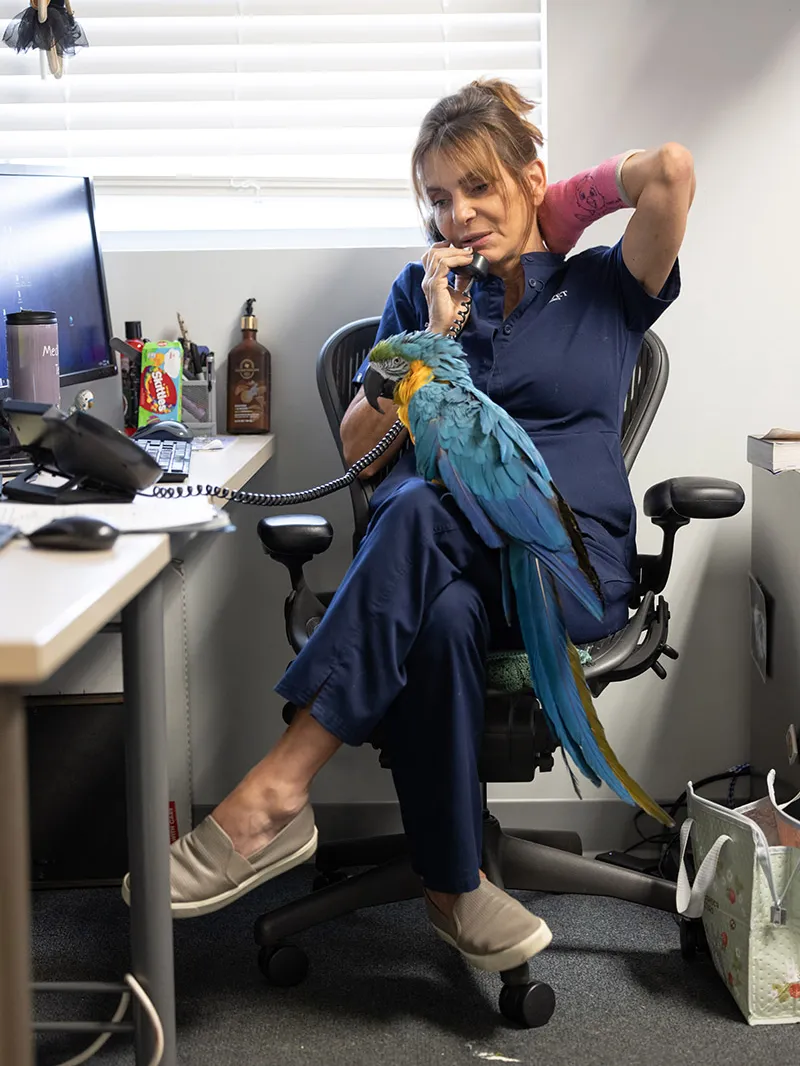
{"x": 281, "y": 499}
{"x": 291, "y": 499}
{"x": 462, "y": 314}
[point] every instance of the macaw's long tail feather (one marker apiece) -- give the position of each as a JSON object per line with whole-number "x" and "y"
{"x": 545, "y": 638}
{"x": 635, "y": 791}
{"x": 559, "y": 684}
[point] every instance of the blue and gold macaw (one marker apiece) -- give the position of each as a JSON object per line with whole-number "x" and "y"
{"x": 499, "y": 480}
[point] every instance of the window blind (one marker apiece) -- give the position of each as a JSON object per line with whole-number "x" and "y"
{"x": 289, "y": 93}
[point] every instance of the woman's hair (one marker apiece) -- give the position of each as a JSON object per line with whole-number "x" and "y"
{"x": 481, "y": 129}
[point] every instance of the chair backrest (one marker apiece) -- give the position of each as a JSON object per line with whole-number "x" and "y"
{"x": 344, "y": 352}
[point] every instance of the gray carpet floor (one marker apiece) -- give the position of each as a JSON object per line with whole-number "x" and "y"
{"x": 382, "y": 989}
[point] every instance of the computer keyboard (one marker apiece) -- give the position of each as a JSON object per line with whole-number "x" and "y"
{"x": 173, "y": 456}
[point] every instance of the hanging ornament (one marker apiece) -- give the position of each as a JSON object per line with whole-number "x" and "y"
{"x": 50, "y": 27}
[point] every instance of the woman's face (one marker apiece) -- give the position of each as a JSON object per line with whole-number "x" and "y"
{"x": 469, "y": 212}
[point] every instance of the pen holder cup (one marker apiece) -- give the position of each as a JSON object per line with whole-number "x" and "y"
{"x": 199, "y": 411}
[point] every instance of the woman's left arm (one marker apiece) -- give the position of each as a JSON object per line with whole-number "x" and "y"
{"x": 660, "y": 183}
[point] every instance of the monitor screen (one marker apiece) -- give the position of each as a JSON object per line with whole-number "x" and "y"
{"x": 50, "y": 261}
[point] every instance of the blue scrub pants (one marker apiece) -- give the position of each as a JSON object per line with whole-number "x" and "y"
{"x": 404, "y": 641}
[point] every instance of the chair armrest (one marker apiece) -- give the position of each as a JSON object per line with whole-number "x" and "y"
{"x": 693, "y": 497}
{"x": 674, "y": 503}
{"x": 295, "y": 535}
{"x": 294, "y": 540}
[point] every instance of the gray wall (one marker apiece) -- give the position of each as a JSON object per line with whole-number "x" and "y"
{"x": 623, "y": 74}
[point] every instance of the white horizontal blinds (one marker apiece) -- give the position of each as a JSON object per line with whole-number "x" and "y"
{"x": 290, "y": 92}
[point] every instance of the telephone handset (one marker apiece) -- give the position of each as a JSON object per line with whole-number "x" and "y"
{"x": 477, "y": 269}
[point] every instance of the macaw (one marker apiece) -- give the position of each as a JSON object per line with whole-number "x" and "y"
{"x": 482, "y": 456}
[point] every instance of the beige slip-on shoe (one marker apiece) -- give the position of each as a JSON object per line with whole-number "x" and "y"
{"x": 492, "y": 930}
{"x": 207, "y": 873}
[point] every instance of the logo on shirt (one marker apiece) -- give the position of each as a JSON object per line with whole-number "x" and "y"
{"x": 558, "y": 296}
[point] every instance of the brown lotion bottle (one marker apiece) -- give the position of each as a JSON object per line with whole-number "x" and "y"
{"x": 249, "y": 365}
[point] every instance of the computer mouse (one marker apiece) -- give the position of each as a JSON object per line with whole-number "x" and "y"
{"x": 77, "y": 534}
{"x": 164, "y": 431}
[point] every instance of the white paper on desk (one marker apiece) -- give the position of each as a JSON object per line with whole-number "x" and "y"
{"x": 146, "y": 514}
{"x": 211, "y": 444}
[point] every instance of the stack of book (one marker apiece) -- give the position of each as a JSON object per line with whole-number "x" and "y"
{"x": 776, "y": 451}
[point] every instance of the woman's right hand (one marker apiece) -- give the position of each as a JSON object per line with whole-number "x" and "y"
{"x": 444, "y": 302}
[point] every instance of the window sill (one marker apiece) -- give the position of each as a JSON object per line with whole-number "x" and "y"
{"x": 133, "y": 222}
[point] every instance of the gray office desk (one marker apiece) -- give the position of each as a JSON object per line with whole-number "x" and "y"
{"x": 53, "y": 603}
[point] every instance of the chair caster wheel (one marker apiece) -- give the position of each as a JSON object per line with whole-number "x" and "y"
{"x": 324, "y": 880}
{"x": 284, "y": 965}
{"x": 693, "y": 938}
{"x": 530, "y": 1006}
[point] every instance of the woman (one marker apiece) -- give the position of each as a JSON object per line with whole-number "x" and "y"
{"x": 554, "y": 341}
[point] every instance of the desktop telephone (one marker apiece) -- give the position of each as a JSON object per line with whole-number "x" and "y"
{"x": 92, "y": 463}
{"x": 89, "y": 461}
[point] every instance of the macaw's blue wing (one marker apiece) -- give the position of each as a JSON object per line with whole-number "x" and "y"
{"x": 500, "y": 482}
{"x": 430, "y": 453}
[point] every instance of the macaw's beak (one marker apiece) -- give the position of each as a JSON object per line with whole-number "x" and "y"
{"x": 376, "y": 386}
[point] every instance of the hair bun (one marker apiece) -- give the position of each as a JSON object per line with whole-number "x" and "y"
{"x": 507, "y": 94}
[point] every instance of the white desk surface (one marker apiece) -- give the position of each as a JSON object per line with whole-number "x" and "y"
{"x": 51, "y": 603}
{"x": 233, "y": 466}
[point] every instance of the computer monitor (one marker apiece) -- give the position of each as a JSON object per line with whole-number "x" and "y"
{"x": 50, "y": 261}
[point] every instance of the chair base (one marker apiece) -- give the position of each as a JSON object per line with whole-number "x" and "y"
{"x": 541, "y": 861}
{"x": 532, "y": 860}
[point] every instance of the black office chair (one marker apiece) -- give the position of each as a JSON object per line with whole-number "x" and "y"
{"x": 516, "y": 740}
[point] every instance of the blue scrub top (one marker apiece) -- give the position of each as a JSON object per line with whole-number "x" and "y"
{"x": 561, "y": 365}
